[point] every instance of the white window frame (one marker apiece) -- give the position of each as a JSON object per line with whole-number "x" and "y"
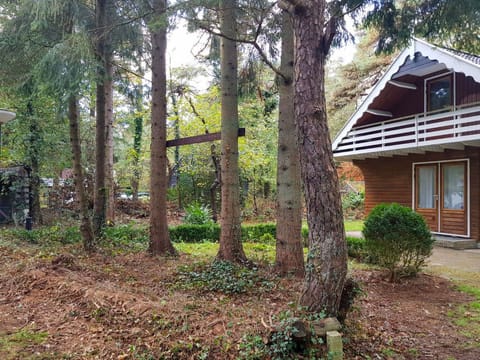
{"x": 425, "y": 90}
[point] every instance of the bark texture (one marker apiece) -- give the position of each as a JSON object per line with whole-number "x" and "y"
{"x": 109, "y": 179}
{"x": 137, "y": 148}
{"x": 159, "y": 238}
{"x": 85, "y": 224}
{"x": 326, "y": 267}
{"x": 289, "y": 249}
{"x": 100, "y": 193}
{"x": 33, "y": 159}
{"x": 230, "y": 237}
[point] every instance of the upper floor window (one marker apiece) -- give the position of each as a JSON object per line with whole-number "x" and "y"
{"x": 439, "y": 93}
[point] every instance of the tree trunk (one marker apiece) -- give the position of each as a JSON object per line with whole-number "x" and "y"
{"x": 327, "y": 259}
{"x": 33, "y": 160}
{"x": 109, "y": 179}
{"x": 100, "y": 193}
{"x": 85, "y": 225}
{"x": 137, "y": 148}
{"x": 175, "y": 173}
{"x": 159, "y": 238}
{"x": 289, "y": 247}
{"x": 216, "y": 183}
{"x": 230, "y": 237}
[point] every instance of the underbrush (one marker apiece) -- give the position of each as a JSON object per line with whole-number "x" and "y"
{"x": 223, "y": 277}
{"x": 292, "y": 336}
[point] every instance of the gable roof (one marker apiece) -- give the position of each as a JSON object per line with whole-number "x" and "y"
{"x": 470, "y": 57}
{"x": 468, "y": 64}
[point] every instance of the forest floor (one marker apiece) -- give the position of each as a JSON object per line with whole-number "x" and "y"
{"x": 57, "y": 303}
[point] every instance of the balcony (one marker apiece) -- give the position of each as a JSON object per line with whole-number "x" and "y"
{"x": 417, "y": 133}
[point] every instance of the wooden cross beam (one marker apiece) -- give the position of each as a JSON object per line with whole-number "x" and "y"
{"x": 200, "y": 138}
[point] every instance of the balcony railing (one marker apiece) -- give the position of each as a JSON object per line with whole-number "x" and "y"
{"x": 415, "y": 131}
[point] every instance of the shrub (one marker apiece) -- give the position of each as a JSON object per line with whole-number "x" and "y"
{"x": 255, "y": 232}
{"x": 211, "y": 232}
{"x": 197, "y": 214}
{"x": 398, "y": 238}
{"x": 49, "y": 235}
{"x": 195, "y": 233}
{"x": 356, "y": 248}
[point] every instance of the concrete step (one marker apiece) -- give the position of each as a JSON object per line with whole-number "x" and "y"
{"x": 455, "y": 243}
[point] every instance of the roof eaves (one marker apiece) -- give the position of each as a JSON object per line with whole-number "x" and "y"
{"x": 399, "y": 61}
{"x": 449, "y": 58}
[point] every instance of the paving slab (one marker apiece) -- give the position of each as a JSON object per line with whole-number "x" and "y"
{"x": 464, "y": 260}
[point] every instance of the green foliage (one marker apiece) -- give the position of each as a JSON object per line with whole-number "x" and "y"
{"x": 353, "y": 200}
{"x": 18, "y": 345}
{"x": 47, "y": 235}
{"x": 305, "y": 235}
{"x": 454, "y": 22}
{"x": 197, "y": 214}
{"x": 195, "y": 233}
{"x": 224, "y": 277}
{"x": 211, "y": 232}
{"x": 467, "y": 315}
{"x": 398, "y": 238}
{"x": 252, "y": 347}
{"x": 128, "y": 237}
{"x": 282, "y": 346}
{"x": 264, "y": 233}
{"x": 346, "y": 83}
{"x": 356, "y": 248}
{"x": 353, "y": 225}
{"x": 281, "y": 343}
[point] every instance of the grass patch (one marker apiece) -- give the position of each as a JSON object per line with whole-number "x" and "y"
{"x": 204, "y": 251}
{"x": 18, "y": 344}
{"x": 467, "y": 316}
{"x": 260, "y": 252}
{"x": 353, "y": 225}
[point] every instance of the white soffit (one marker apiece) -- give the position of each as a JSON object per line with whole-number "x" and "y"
{"x": 445, "y": 58}
{"x": 6, "y": 116}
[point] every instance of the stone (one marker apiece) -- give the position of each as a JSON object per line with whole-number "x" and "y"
{"x": 321, "y": 327}
{"x": 334, "y": 345}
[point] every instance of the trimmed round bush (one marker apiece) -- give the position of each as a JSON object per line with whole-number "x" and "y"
{"x": 398, "y": 239}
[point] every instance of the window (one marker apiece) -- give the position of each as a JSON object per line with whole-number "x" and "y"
{"x": 439, "y": 95}
{"x": 426, "y": 187}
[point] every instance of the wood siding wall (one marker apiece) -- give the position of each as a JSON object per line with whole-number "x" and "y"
{"x": 468, "y": 91}
{"x": 390, "y": 180}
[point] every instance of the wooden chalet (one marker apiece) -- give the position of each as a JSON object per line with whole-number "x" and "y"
{"x": 416, "y": 138}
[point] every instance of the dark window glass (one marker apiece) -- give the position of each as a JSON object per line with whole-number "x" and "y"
{"x": 439, "y": 93}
